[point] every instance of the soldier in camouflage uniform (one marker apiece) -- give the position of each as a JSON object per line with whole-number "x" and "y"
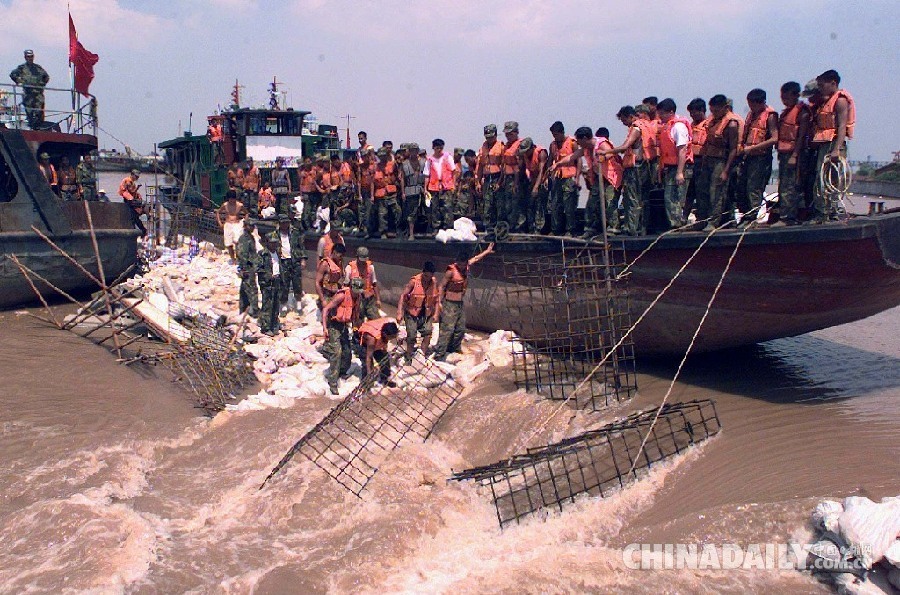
{"x": 268, "y": 272}
{"x": 466, "y": 187}
{"x": 337, "y": 317}
{"x": 68, "y": 188}
{"x": 293, "y": 258}
{"x": 86, "y": 178}
{"x": 246, "y": 261}
{"x": 488, "y": 175}
{"x": 33, "y": 79}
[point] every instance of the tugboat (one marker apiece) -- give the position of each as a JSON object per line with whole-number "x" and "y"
{"x": 27, "y": 200}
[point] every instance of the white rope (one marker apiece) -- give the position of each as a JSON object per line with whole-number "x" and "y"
{"x": 835, "y": 177}
{"x": 709, "y": 304}
{"x": 628, "y": 332}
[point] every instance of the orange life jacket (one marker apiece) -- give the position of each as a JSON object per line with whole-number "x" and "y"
{"x": 215, "y": 133}
{"x": 366, "y": 175}
{"x": 756, "y": 129}
{"x": 66, "y": 176}
{"x": 668, "y": 152}
{"x": 325, "y": 180}
{"x": 649, "y": 142}
{"x": 421, "y": 296}
{"x": 307, "y": 181}
{"x": 610, "y": 166}
{"x": 826, "y": 120}
{"x": 385, "y": 179}
{"x": 50, "y": 173}
{"x": 511, "y": 157}
{"x": 328, "y": 244}
{"x": 789, "y": 127}
{"x": 251, "y": 179}
{"x": 373, "y": 328}
{"x": 128, "y": 189}
{"x": 491, "y": 157}
{"x": 698, "y": 136}
{"x": 715, "y": 145}
{"x": 369, "y": 284}
{"x": 533, "y": 163}
{"x": 446, "y": 181}
{"x": 346, "y": 174}
{"x": 332, "y": 280}
{"x": 459, "y": 281}
{"x": 266, "y": 198}
{"x": 559, "y": 152}
{"x": 346, "y": 310}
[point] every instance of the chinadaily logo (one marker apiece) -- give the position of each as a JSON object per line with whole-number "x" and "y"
{"x": 822, "y": 557}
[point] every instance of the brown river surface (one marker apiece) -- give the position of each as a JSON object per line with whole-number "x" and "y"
{"x": 111, "y": 482}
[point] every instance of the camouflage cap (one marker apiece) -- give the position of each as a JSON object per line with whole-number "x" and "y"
{"x": 413, "y": 148}
{"x": 641, "y": 109}
{"x": 525, "y": 145}
{"x": 811, "y": 88}
{"x": 357, "y": 284}
{"x": 44, "y": 155}
{"x": 135, "y": 172}
{"x": 29, "y": 52}
{"x": 273, "y": 237}
{"x": 511, "y": 126}
{"x": 458, "y": 150}
{"x": 490, "y": 130}
{"x": 382, "y": 152}
{"x": 404, "y": 146}
{"x": 362, "y": 252}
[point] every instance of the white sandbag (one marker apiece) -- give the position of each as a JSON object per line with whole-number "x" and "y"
{"x": 267, "y": 212}
{"x": 892, "y": 555}
{"x": 826, "y": 514}
{"x": 442, "y": 236}
{"x": 870, "y": 528}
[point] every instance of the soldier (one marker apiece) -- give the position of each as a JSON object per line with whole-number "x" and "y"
{"x": 487, "y": 174}
{"x": 760, "y": 137}
{"x": 412, "y": 187}
{"x": 675, "y": 153}
{"x": 86, "y": 178}
{"x": 49, "y": 172}
{"x": 723, "y": 134}
{"x": 246, "y": 262}
{"x": 268, "y": 272}
{"x": 293, "y": 258}
{"x": 235, "y": 177}
{"x": 129, "y": 191}
{"x": 696, "y": 183}
{"x": 251, "y": 186}
{"x": 309, "y": 193}
{"x": 341, "y": 311}
{"x": 439, "y": 173}
{"x": 511, "y": 179}
{"x": 599, "y": 199}
{"x": 68, "y": 188}
{"x": 418, "y": 309}
{"x": 384, "y": 191}
{"x": 362, "y": 268}
{"x": 364, "y": 145}
{"x": 327, "y": 242}
{"x": 281, "y": 186}
{"x": 329, "y": 273}
{"x": 365, "y": 175}
{"x": 535, "y": 158}
{"x": 33, "y": 79}
{"x": 466, "y": 186}
{"x": 563, "y": 171}
{"x": 635, "y": 171}
{"x": 833, "y": 126}
{"x": 232, "y": 227}
{"x": 451, "y": 312}
{"x": 375, "y": 336}
{"x": 793, "y": 127}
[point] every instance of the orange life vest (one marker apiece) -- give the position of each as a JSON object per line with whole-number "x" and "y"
{"x": 789, "y": 127}
{"x": 385, "y": 179}
{"x": 668, "y": 152}
{"x": 373, "y": 328}
{"x": 266, "y": 198}
{"x": 559, "y": 152}
{"x": 649, "y": 142}
{"x": 307, "y": 181}
{"x": 369, "y": 284}
{"x": 491, "y": 157}
{"x": 66, "y": 177}
{"x": 610, "y": 166}
{"x": 346, "y": 174}
{"x": 459, "y": 281}
{"x": 346, "y": 310}
{"x": 50, "y": 173}
{"x": 826, "y": 120}
{"x": 446, "y": 181}
{"x": 366, "y": 175}
{"x": 127, "y": 189}
{"x": 251, "y": 179}
{"x": 332, "y": 280}
{"x": 533, "y": 163}
{"x": 511, "y": 157}
{"x": 325, "y": 180}
{"x": 756, "y": 129}
{"x": 328, "y": 244}
{"x": 215, "y": 133}
{"x": 421, "y": 296}
{"x": 715, "y": 135}
{"x": 698, "y": 136}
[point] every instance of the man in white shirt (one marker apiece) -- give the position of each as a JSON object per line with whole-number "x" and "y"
{"x": 674, "y": 153}
{"x": 440, "y": 183}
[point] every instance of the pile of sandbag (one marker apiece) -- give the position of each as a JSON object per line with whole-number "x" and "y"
{"x": 463, "y": 231}
{"x": 861, "y": 536}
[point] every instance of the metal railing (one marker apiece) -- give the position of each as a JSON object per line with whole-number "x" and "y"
{"x": 75, "y": 115}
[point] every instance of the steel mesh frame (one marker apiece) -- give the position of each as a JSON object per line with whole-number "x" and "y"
{"x": 594, "y": 463}
{"x": 569, "y": 309}
{"x": 358, "y": 434}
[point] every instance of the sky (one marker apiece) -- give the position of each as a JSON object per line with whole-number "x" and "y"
{"x": 415, "y": 70}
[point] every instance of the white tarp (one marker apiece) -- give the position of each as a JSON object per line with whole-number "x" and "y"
{"x": 266, "y": 149}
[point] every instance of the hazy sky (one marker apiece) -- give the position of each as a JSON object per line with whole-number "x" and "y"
{"x": 415, "y": 70}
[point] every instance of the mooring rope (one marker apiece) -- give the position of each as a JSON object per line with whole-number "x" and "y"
{"x": 709, "y": 304}
{"x": 646, "y": 311}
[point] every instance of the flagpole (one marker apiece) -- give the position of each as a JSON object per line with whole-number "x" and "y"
{"x": 72, "y": 75}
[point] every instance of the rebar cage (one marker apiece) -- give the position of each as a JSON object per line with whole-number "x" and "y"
{"x": 358, "y": 434}
{"x": 595, "y": 463}
{"x": 569, "y": 310}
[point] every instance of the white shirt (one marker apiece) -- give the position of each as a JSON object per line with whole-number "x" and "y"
{"x": 438, "y": 164}
{"x": 371, "y": 268}
{"x": 276, "y": 264}
{"x": 679, "y": 134}
{"x": 285, "y": 245}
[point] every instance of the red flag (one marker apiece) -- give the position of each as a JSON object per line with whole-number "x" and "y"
{"x": 83, "y": 61}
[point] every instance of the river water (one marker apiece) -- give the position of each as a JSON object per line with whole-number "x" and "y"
{"x": 111, "y": 482}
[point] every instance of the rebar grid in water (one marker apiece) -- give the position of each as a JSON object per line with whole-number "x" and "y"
{"x": 594, "y": 463}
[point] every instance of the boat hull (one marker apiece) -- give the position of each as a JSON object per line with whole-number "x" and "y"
{"x": 783, "y": 282}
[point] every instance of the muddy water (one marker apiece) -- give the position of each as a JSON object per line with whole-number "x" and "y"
{"x": 110, "y": 482}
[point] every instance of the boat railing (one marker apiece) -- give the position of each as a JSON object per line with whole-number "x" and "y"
{"x": 65, "y": 110}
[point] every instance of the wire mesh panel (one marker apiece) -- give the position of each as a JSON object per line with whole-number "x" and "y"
{"x": 356, "y": 437}
{"x": 186, "y": 221}
{"x": 570, "y": 309}
{"x": 595, "y": 462}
